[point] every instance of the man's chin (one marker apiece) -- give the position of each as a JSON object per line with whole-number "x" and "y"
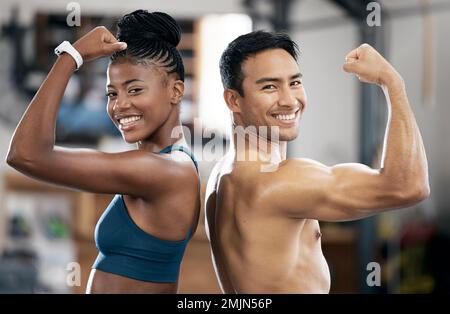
{"x": 288, "y": 137}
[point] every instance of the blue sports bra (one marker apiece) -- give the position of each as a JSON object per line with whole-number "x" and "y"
{"x": 127, "y": 250}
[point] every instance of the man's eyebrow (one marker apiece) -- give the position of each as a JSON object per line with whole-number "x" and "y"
{"x": 126, "y": 82}
{"x": 276, "y": 79}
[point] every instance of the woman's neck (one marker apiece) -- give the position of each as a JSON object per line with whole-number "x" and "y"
{"x": 170, "y": 133}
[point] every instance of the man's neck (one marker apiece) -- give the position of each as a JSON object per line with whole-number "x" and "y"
{"x": 251, "y": 146}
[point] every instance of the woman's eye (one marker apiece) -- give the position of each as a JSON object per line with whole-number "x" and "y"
{"x": 135, "y": 90}
{"x": 110, "y": 94}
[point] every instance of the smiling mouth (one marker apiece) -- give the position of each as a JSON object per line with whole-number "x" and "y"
{"x": 128, "y": 120}
{"x": 286, "y": 117}
{"x": 128, "y": 123}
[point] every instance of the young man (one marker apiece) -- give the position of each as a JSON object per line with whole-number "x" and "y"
{"x": 263, "y": 225}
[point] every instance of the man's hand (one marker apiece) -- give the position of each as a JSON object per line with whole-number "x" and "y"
{"x": 369, "y": 66}
{"x": 99, "y": 42}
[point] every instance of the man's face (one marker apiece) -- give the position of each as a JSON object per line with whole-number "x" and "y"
{"x": 273, "y": 93}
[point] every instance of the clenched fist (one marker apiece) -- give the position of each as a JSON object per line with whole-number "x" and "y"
{"x": 99, "y": 42}
{"x": 369, "y": 66}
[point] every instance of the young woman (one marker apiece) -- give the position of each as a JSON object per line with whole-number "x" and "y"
{"x": 142, "y": 235}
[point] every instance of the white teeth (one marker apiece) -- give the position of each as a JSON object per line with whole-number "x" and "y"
{"x": 129, "y": 119}
{"x": 285, "y": 116}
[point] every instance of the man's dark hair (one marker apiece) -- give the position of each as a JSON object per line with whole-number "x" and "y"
{"x": 246, "y": 46}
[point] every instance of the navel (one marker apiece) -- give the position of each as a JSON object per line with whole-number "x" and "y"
{"x": 318, "y": 234}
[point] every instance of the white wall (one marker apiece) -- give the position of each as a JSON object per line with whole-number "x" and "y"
{"x": 440, "y": 137}
{"x": 329, "y": 128}
{"x": 407, "y": 56}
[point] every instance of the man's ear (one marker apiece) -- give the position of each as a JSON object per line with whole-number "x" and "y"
{"x": 177, "y": 92}
{"x": 232, "y": 99}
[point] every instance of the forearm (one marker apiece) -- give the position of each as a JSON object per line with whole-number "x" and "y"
{"x": 35, "y": 134}
{"x": 404, "y": 162}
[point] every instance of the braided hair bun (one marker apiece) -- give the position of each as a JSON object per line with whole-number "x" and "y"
{"x": 151, "y": 36}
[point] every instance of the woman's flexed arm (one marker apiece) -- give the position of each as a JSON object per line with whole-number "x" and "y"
{"x": 34, "y": 137}
{"x": 32, "y": 151}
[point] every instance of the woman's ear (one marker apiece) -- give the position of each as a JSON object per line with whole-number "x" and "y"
{"x": 232, "y": 99}
{"x": 177, "y": 91}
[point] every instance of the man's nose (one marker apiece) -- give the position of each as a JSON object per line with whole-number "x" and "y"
{"x": 287, "y": 98}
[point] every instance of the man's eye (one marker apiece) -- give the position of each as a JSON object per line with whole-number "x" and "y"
{"x": 296, "y": 83}
{"x": 268, "y": 87}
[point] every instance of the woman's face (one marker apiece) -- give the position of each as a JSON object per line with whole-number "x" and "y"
{"x": 140, "y": 99}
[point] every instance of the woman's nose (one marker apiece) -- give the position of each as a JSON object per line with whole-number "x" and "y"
{"x": 121, "y": 104}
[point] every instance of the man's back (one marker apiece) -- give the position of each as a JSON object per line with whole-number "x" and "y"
{"x": 256, "y": 248}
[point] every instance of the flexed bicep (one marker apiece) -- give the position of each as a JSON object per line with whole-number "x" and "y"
{"x": 308, "y": 189}
{"x": 355, "y": 191}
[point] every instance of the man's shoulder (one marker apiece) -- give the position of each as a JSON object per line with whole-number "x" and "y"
{"x": 289, "y": 167}
{"x": 261, "y": 170}
{"x": 302, "y": 162}
{"x": 265, "y": 174}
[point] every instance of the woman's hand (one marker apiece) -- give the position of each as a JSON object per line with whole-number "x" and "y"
{"x": 99, "y": 42}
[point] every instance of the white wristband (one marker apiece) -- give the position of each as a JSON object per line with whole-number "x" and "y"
{"x": 65, "y": 46}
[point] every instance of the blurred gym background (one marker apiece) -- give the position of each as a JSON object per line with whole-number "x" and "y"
{"x": 46, "y": 232}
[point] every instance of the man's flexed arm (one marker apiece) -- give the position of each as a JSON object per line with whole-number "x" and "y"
{"x": 351, "y": 191}
{"x": 403, "y": 160}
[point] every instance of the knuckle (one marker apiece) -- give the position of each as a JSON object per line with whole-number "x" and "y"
{"x": 366, "y": 46}
{"x": 100, "y": 29}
